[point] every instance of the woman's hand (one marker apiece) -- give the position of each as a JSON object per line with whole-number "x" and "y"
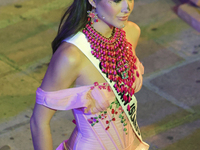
{"x": 99, "y": 100}
{"x": 139, "y": 80}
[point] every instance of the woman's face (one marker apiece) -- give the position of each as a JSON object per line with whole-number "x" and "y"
{"x": 114, "y": 12}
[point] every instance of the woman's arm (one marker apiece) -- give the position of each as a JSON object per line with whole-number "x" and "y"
{"x": 61, "y": 73}
{"x": 40, "y": 128}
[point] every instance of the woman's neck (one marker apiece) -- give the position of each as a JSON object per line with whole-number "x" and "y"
{"x": 103, "y": 28}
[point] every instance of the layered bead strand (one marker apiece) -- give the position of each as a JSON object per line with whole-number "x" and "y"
{"x": 116, "y": 60}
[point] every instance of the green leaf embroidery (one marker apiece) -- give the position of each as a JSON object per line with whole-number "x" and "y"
{"x": 118, "y": 105}
{"x": 125, "y": 129}
{"x": 124, "y": 124}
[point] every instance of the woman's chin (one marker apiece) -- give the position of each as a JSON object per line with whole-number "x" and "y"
{"x": 122, "y": 24}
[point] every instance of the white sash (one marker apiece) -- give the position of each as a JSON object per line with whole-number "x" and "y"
{"x": 81, "y": 42}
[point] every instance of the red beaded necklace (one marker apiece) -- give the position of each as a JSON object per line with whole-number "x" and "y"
{"x": 116, "y": 60}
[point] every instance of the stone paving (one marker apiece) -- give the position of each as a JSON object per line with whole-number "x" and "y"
{"x": 168, "y": 103}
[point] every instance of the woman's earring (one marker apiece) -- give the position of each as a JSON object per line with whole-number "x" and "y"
{"x": 93, "y": 16}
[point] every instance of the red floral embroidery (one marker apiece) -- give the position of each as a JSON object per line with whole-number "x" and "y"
{"x": 104, "y": 86}
{"x": 100, "y": 87}
{"x": 92, "y": 87}
{"x": 96, "y": 83}
{"x": 103, "y": 114}
{"x": 107, "y": 128}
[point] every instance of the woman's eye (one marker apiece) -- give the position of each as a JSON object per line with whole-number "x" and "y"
{"x": 117, "y": 1}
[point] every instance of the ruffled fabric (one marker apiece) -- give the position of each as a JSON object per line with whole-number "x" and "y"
{"x": 92, "y": 99}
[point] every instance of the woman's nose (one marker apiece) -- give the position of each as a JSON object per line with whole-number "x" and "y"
{"x": 125, "y": 7}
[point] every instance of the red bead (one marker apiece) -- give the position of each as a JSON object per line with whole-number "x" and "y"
{"x": 107, "y": 121}
{"x": 113, "y": 119}
{"x": 115, "y": 79}
{"x": 129, "y": 99}
{"x": 113, "y": 111}
{"x": 134, "y": 66}
{"x": 133, "y": 79}
{"x": 125, "y": 90}
{"x": 115, "y": 85}
{"x": 129, "y": 89}
{"x": 137, "y": 74}
{"x": 129, "y": 73}
{"x": 132, "y": 91}
{"x": 118, "y": 89}
{"x": 125, "y": 97}
{"x": 128, "y": 107}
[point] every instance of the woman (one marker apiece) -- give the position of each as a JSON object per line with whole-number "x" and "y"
{"x": 91, "y": 47}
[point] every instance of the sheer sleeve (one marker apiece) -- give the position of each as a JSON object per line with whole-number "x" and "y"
{"x": 63, "y": 99}
{"x": 92, "y": 99}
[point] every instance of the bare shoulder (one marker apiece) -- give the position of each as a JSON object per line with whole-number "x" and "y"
{"x": 63, "y": 69}
{"x": 67, "y": 52}
{"x": 132, "y": 33}
{"x": 132, "y": 27}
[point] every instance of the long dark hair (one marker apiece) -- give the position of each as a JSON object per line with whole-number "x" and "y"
{"x": 73, "y": 20}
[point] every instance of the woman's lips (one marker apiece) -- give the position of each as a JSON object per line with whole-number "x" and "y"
{"x": 123, "y": 18}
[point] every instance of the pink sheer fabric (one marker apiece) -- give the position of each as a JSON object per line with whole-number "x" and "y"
{"x": 84, "y": 100}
